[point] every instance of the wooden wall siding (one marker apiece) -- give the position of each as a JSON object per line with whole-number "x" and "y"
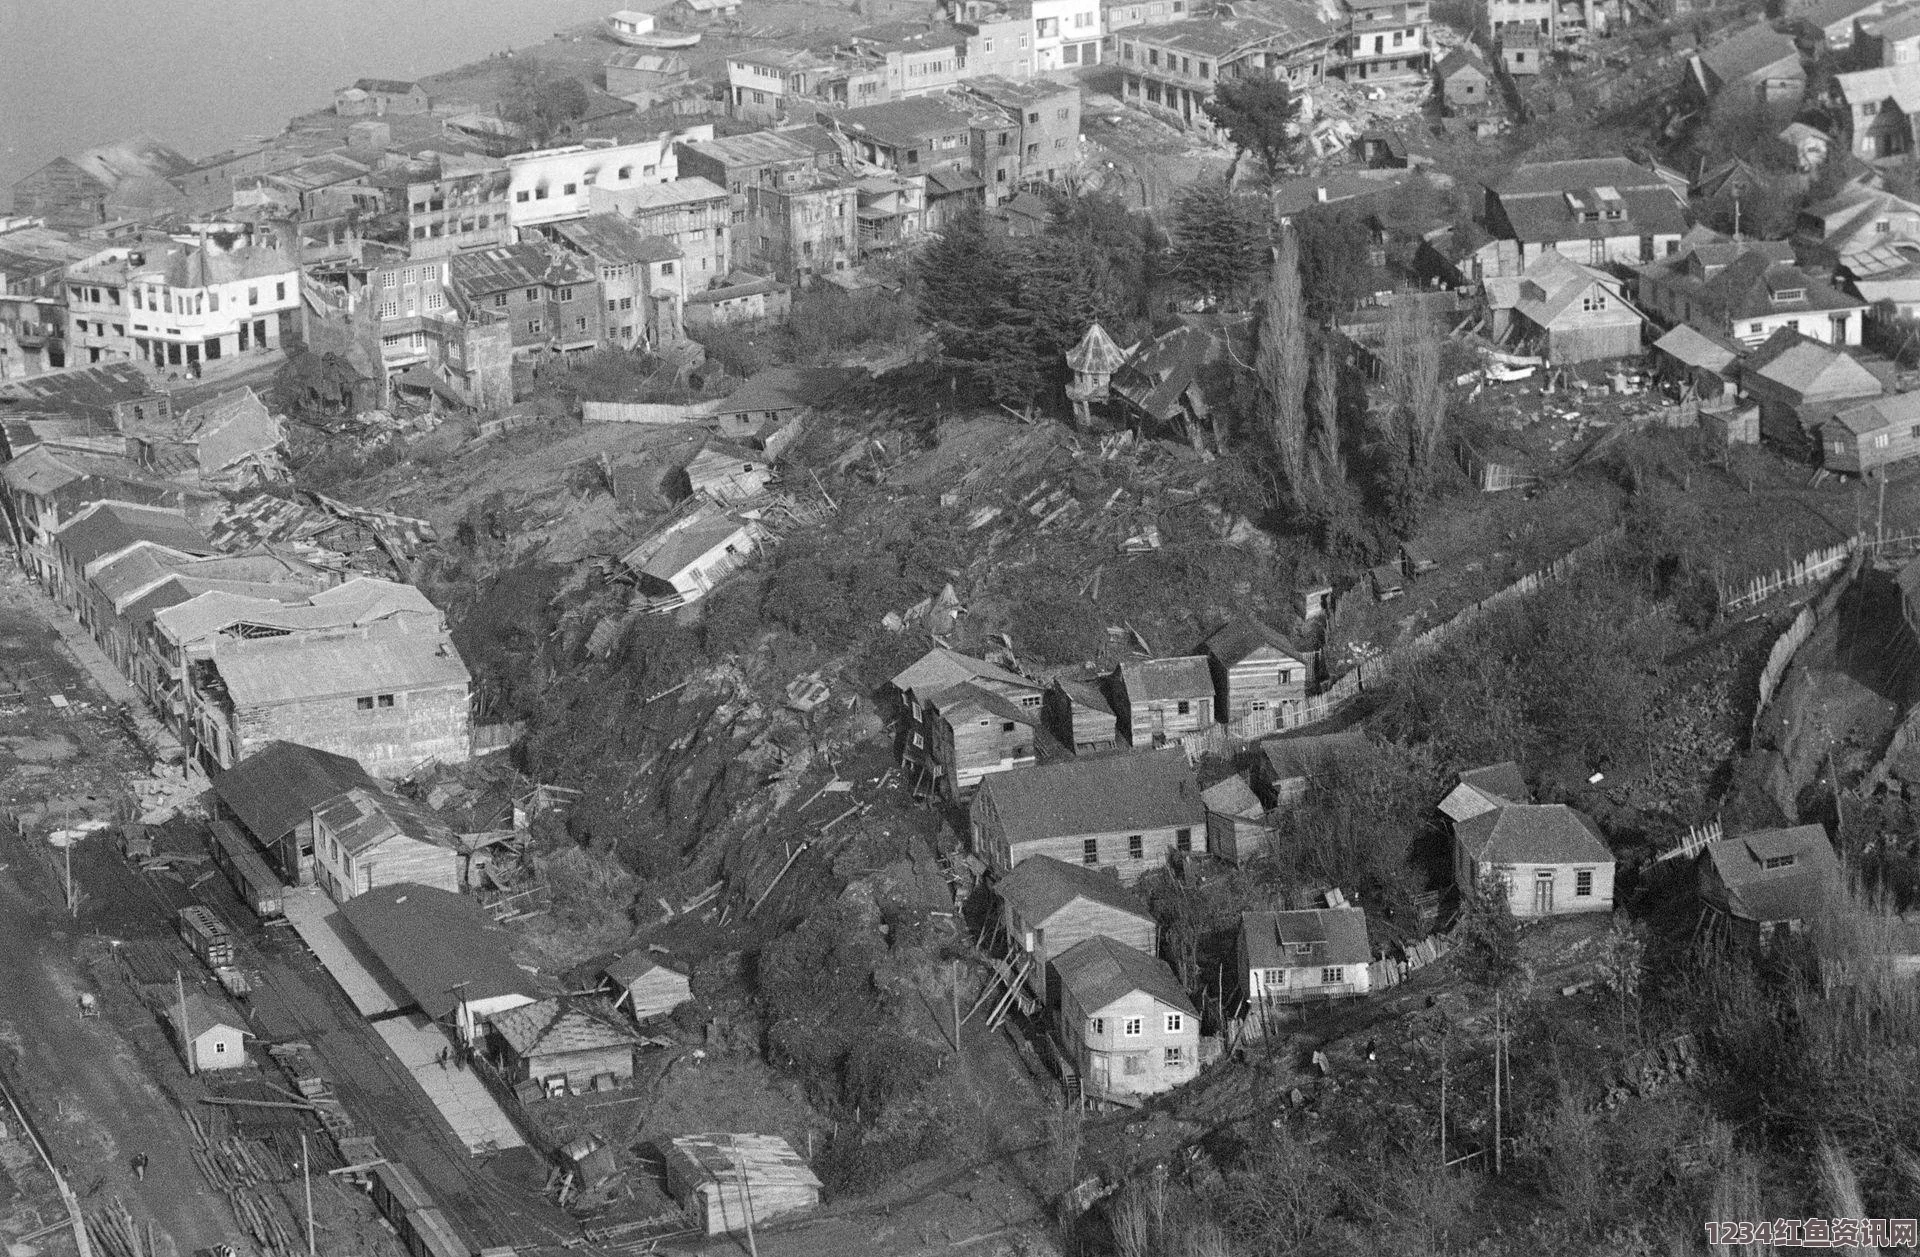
{"x": 1258, "y": 679}
{"x": 1564, "y": 881}
{"x": 1082, "y": 728}
{"x": 1844, "y": 450}
{"x": 657, "y": 993}
{"x": 1106, "y": 1058}
{"x": 1593, "y": 342}
{"x": 1159, "y": 722}
{"x": 1113, "y": 850}
{"x": 1074, "y": 924}
{"x": 389, "y": 742}
{"x": 1237, "y": 838}
{"x": 1299, "y": 983}
{"x": 969, "y": 752}
{"x": 398, "y": 859}
{"x": 579, "y": 1067}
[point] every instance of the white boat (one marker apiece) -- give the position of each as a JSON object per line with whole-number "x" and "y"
{"x": 636, "y": 30}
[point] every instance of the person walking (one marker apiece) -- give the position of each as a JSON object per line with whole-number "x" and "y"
{"x": 140, "y": 1166}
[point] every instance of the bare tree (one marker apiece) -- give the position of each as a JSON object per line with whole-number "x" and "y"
{"x": 1329, "y": 464}
{"x": 1410, "y": 369}
{"x": 1280, "y": 368}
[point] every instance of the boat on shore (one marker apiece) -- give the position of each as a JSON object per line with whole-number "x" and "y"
{"x": 636, "y": 30}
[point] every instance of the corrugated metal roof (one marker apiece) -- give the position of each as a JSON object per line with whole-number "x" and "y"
{"x": 278, "y": 786}
{"x": 272, "y": 670}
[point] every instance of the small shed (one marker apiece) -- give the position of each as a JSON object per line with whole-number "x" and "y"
{"x": 564, "y": 1043}
{"x": 1522, "y": 52}
{"x": 646, "y": 985}
{"x": 1415, "y": 559}
{"x": 1388, "y": 583}
{"x": 1288, "y": 765}
{"x": 1236, "y": 822}
{"x": 729, "y": 1181}
{"x": 209, "y": 1034}
{"x": 1699, "y": 363}
{"x": 726, "y": 472}
{"x": 1078, "y": 714}
{"x": 1464, "y": 78}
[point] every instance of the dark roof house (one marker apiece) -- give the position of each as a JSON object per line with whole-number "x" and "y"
{"x": 440, "y": 946}
{"x": 277, "y": 787}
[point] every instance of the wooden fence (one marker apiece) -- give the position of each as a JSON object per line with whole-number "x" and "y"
{"x": 1816, "y": 566}
{"x": 1697, "y": 837}
{"x": 646, "y": 412}
{"x": 1789, "y": 642}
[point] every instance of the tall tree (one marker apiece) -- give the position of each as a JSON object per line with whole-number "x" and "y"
{"x": 1257, "y": 114}
{"x": 969, "y": 297}
{"x": 541, "y": 100}
{"x": 1219, "y": 243}
{"x": 1280, "y": 371}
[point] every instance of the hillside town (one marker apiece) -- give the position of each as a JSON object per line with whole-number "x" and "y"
{"x": 1167, "y": 628}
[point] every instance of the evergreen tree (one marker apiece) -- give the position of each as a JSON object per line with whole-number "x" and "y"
{"x": 1257, "y": 114}
{"x": 1489, "y": 935}
{"x": 1280, "y": 372}
{"x": 1220, "y": 243}
{"x": 969, "y": 294}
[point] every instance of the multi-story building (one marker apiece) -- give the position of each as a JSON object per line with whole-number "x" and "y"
{"x": 1385, "y": 40}
{"x": 549, "y": 299}
{"x": 911, "y": 137}
{"x": 770, "y": 84}
{"x": 642, "y": 277}
{"x": 454, "y": 201}
{"x": 804, "y": 225}
{"x": 1065, "y": 33}
{"x": 415, "y": 307}
{"x": 1521, "y": 15}
{"x": 1036, "y": 139}
{"x": 33, "y": 261}
{"x": 552, "y": 184}
{"x": 691, "y": 214}
{"x": 1120, "y": 15}
{"x": 1000, "y": 45}
{"x": 908, "y": 59}
{"x": 1747, "y": 290}
{"x": 740, "y": 162}
{"x": 1175, "y": 68}
{"x": 182, "y": 301}
{"x": 1594, "y": 211}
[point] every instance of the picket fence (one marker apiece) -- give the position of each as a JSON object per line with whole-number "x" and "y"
{"x": 1788, "y": 644}
{"x": 1816, "y": 566}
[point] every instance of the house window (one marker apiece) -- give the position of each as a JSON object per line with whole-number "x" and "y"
{"x": 1183, "y": 707}
{"x": 1006, "y": 726}
{"x": 1098, "y": 1025}
{"x": 533, "y": 294}
{"x": 1132, "y": 1025}
{"x": 1183, "y": 839}
{"x": 1753, "y": 329}
{"x": 569, "y": 189}
{"x": 1593, "y": 302}
{"x": 1273, "y": 977}
{"x": 1090, "y": 851}
{"x": 388, "y": 280}
{"x": 219, "y": 1048}
{"x": 253, "y": 296}
{"x": 1136, "y": 847}
{"x": 580, "y": 324}
{"x": 1583, "y": 882}
{"x": 1176, "y": 1057}
{"x": 364, "y": 704}
{"x": 280, "y": 291}
{"x": 566, "y": 294}
{"x": 384, "y": 700}
{"x": 499, "y": 299}
{"x": 1777, "y": 862}
{"x": 521, "y": 196}
{"x": 1332, "y": 975}
{"x": 533, "y": 326}
{"x": 1174, "y": 1022}
{"x": 389, "y": 309}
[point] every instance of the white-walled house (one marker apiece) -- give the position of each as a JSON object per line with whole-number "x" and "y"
{"x": 1314, "y": 953}
{"x": 1551, "y": 859}
{"x": 196, "y": 298}
{"x": 1126, "y": 1026}
{"x": 551, "y": 184}
{"x": 1065, "y": 33}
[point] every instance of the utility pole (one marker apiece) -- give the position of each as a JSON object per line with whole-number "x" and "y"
{"x": 956, "y": 1011}
{"x": 186, "y": 1034}
{"x": 746, "y": 1194}
{"x": 1443, "y": 1103}
{"x": 306, "y": 1168}
{"x": 66, "y": 848}
{"x": 1499, "y": 1038}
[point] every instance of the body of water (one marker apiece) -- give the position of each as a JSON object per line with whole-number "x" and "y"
{"x": 204, "y": 75}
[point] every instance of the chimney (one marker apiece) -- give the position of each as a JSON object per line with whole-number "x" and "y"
{"x": 1320, "y": 195}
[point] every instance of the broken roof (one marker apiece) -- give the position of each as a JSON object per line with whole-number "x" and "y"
{"x": 270, "y": 670}
{"x": 554, "y": 1027}
{"x": 106, "y": 527}
{"x": 511, "y": 266}
{"x": 756, "y": 148}
{"x": 1084, "y": 694}
{"x": 432, "y": 941}
{"x": 79, "y": 390}
{"x": 1099, "y": 972}
{"x": 277, "y": 787}
{"x": 941, "y": 668}
{"x": 1805, "y": 868}
{"x": 1041, "y": 886}
{"x": 1533, "y": 833}
{"x": 611, "y": 239}
{"x": 1096, "y": 794}
{"x": 1329, "y": 936}
{"x": 1167, "y": 680}
{"x": 366, "y": 816}
{"x": 961, "y": 703}
{"x": 684, "y": 547}
{"x": 899, "y": 123}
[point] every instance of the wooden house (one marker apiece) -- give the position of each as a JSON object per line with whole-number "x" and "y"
{"x": 1287, "y": 766}
{"x": 1481, "y": 790}
{"x": 1757, "y": 65}
{"x": 1551, "y": 859}
{"x": 1124, "y": 1024}
{"x": 1258, "y": 676}
{"x": 1294, "y": 957}
{"x": 1048, "y": 906}
{"x": 1078, "y": 714}
{"x": 940, "y": 669}
{"x": 564, "y": 1044}
{"x": 647, "y": 986}
{"x": 1864, "y": 438}
{"x": 1126, "y": 813}
{"x": 1800, "y": 382}
{"x": 1564, "y": 311}
{"x": 731, "y": 1182}
{"x": 682, "y": 562}
{"x": 971, "y": 732}
{"x": 365, "y": 839}
{"x": 1237, "y": 827}
{"x": 1465, "y": 81}
{"x": 274, "y": 792}
{"x": 208, "y": 1033}
{"x": 1702, "y": 365}
{"x": 441, "y": 951}
{"x": 1158, "y": 700}
{"x": 1523, "y": 53}
{"x": 1770, "y": 883}
{"x": 725, "y": 472}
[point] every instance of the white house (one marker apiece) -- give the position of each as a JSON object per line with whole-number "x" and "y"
{"x": 551, "y": 184}
{"x": 1124, "y": 1023}
{"x": 1550, "y": 858}
{"x": 691, "y": 555}
{"x": 210, "y": 1035}
{"x": 1065, "y": 33}
{"x": 1293, "y": 957}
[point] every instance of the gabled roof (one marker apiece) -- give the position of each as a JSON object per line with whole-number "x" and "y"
{"x": 1898, "y": 83}
{"x": 1899, "y": 410}
{"x": 1688, "y": 344}
{"x": 1533, "y": 833}
{"x": 1331, "y": 936}
{"x": 552, "y": 1027}
{"x": 1791, "y": 892}
{"x": 1041, "y": 886}
{"x": 1100, "y": 972}
{"x": 272, "y": 670}
{"x": 965, "y": 702}
{"x": 1748, "y": 53}
{"x": 1463, "y": 57}
{"x": 1809, "y": 367}
{"x": 278, "y": 786}
{"x": 1084, "y": 694}
{"x": 105, "y": 527}
{"x": 1164, "y": 368}
{"x": 1238, "y": 640}
{"x": 1552, "y": 283}
{"x": 365, "y": 817}
{"x": 203, "y": 1013}
{"x": 1096, "y": 794}
{"x": 1832, "y": 12}
{"x": 434, "y": 940}
{"x": 941, "y": 668}
{"x": 1503, "y": 780}
{"x": 1535, "y": 200}
{"x": 687, "y": 546}
{"x": 1312, "y": 754}
{"x": 636, "y": 965}
{"x": 1167, "y": 680}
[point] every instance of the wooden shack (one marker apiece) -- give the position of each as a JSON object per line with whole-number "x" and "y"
{"x": 564, "y": 1045}
{"x": 1237, "y": 827}
{"x": 1079, "y": 715}
{"x": 209, "y": 1034}
{"x": 1161, "y": 699}
{"x": 647, "y": 986}
{"x": 1256, "y": 672}
{"x": 1047, "y": 906}
{"x": 727, "y": 1182}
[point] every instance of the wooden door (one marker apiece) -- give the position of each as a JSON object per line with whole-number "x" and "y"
{"x": 1543, "y": 895}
